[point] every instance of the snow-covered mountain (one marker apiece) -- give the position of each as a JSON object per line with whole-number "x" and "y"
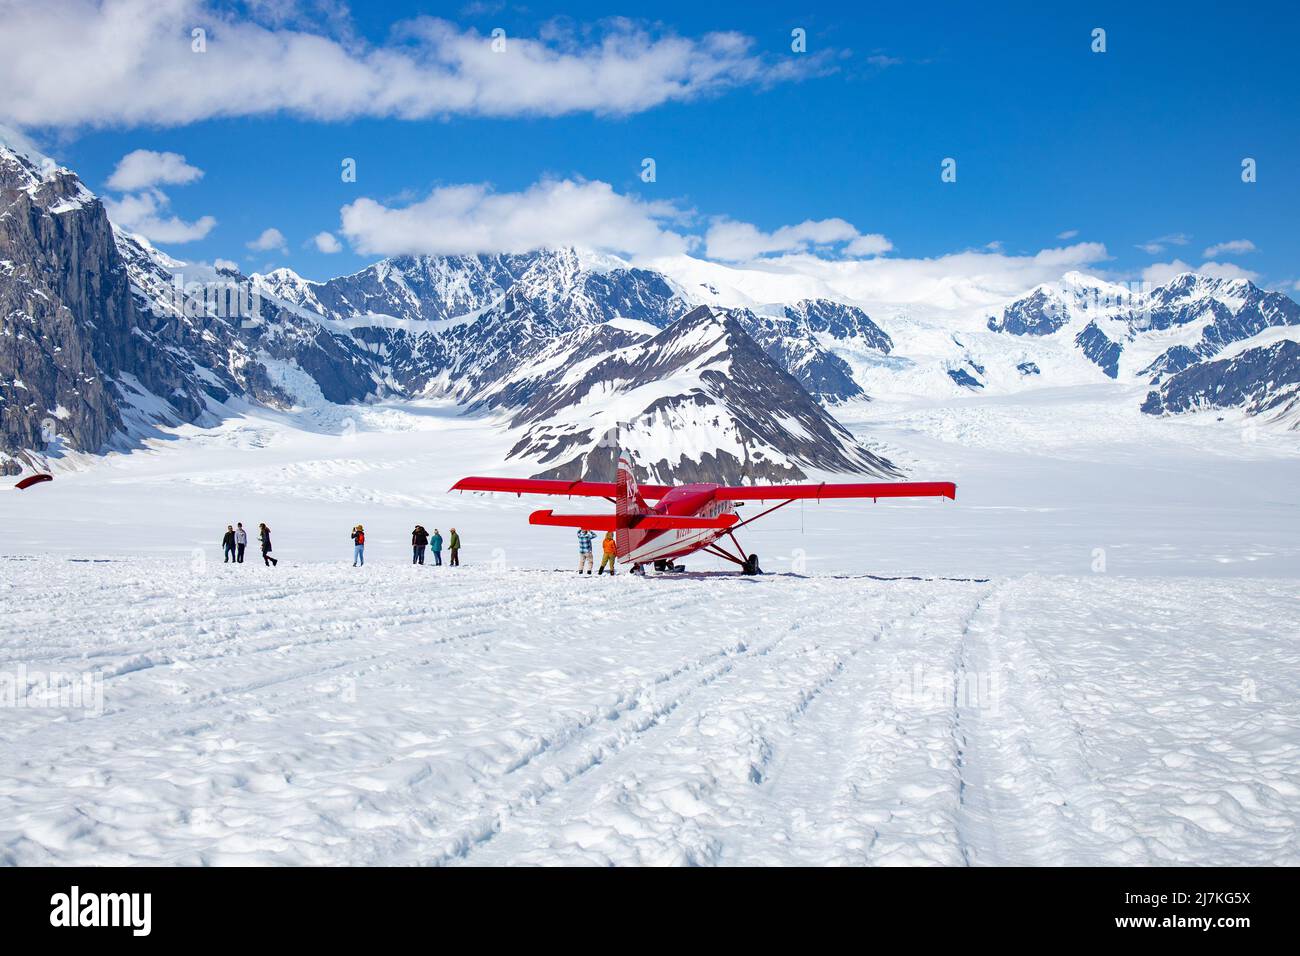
{"x": 106, "y": 337}
{"x": 154, "y": 346}
{"x": 78, "y": 358}
{"x": 698, "y": 401}
{"x": 566, "y": 286}
{"x": 1137, "y": 332}
{"x": 1262, "y": 380}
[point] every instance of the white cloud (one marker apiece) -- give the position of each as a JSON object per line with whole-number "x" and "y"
{"x": 327, "y": 242}
{"x": 734, "y": 241}
{"x": 1161, "y": 272}
{"x": 468, "y": 219}
{"x": 269, "y": 239}
{"x": 1153, "y": 247}
{"x": 967, "y": 281}
{"x": 1232, "y": 247}
{"x": 130, "y": 62}
{"x": 144, "y": 213}
{"x": 144, "y": 167}
{"x": 226, "y": 264}
{"x": 1068, "y": 234}
{"x": 827, "y": 257}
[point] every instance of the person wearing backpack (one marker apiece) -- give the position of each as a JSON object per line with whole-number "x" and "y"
{"x": 358, "y": 546}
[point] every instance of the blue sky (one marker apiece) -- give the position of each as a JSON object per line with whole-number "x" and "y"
{"x": 1140, "y": 144}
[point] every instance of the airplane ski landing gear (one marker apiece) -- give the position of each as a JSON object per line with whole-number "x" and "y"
{"x": 748, "y": 563}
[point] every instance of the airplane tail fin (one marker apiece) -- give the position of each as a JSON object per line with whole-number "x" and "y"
{"x": 628, "y": 504}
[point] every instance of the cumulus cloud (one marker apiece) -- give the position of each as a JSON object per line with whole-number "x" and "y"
{"x": 734, "y": 241}
{"x": 1161, "y": 272}
{"x": 145, "y": 213}
{"x": 270, "y": 239}
{"x": 130, "y": 62}
{"x": 327, "y": 242}
{"x": 1234, "y": 247}
{"x": 470, "y": 219}
{"x": 144, "y": 167}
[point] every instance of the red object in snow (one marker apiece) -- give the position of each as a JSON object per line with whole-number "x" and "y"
{"x": 33, "y": 480}
{"x": 687, "y": 518}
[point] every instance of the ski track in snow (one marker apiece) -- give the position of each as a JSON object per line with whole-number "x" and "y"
{"x": 316, "y": 713}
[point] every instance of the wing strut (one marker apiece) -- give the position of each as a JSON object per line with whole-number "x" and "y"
{"x": 737, "y": 527}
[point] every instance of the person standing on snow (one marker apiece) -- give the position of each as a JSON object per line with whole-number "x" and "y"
{"x": 436, "y": 544}
{"x": 228, "y": 546}
{"x": 584, "y": 549}
{"x": 241, "y": 541}
{"x": 358, "y": 546}
{"x": 419, "y": 541}
{"x": 264, "y": 534}
{"x": 454, "y": 544}
{"x": 610, "y": 549}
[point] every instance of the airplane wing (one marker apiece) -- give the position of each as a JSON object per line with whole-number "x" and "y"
{"x": 544, "y": 486}
{"x": 873, "y": 489}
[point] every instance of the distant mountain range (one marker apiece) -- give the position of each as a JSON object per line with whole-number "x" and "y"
{"x": 106, "y": 338}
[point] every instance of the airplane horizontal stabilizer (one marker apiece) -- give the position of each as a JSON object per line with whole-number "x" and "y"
{"x": 590, "y": 522}
{"x": 643, "y": 522}
{"x": 669, "y": 522}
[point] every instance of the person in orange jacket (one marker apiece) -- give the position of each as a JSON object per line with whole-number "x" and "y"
{"x": 610, "y": 551}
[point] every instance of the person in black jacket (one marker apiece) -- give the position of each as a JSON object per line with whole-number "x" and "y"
{"x": 228, "y": 545}
{"x": 264, "y": 533}
{"x": 419, "y": 541}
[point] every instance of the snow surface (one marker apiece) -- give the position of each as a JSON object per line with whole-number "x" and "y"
{"x": 1092, "y": 656}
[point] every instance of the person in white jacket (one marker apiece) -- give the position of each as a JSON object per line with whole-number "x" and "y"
{"x": 241, "y": 542}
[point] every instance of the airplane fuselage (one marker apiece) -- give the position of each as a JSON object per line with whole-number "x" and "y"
{"x": 687, "y": 501}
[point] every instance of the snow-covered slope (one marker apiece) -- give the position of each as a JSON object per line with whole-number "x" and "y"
{"x": 1081, "y": 660}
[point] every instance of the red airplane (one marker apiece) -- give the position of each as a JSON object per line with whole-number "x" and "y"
{"x": 687, "y": 518}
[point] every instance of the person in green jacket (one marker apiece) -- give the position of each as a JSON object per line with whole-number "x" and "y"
{"x": 454, "y": 544}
